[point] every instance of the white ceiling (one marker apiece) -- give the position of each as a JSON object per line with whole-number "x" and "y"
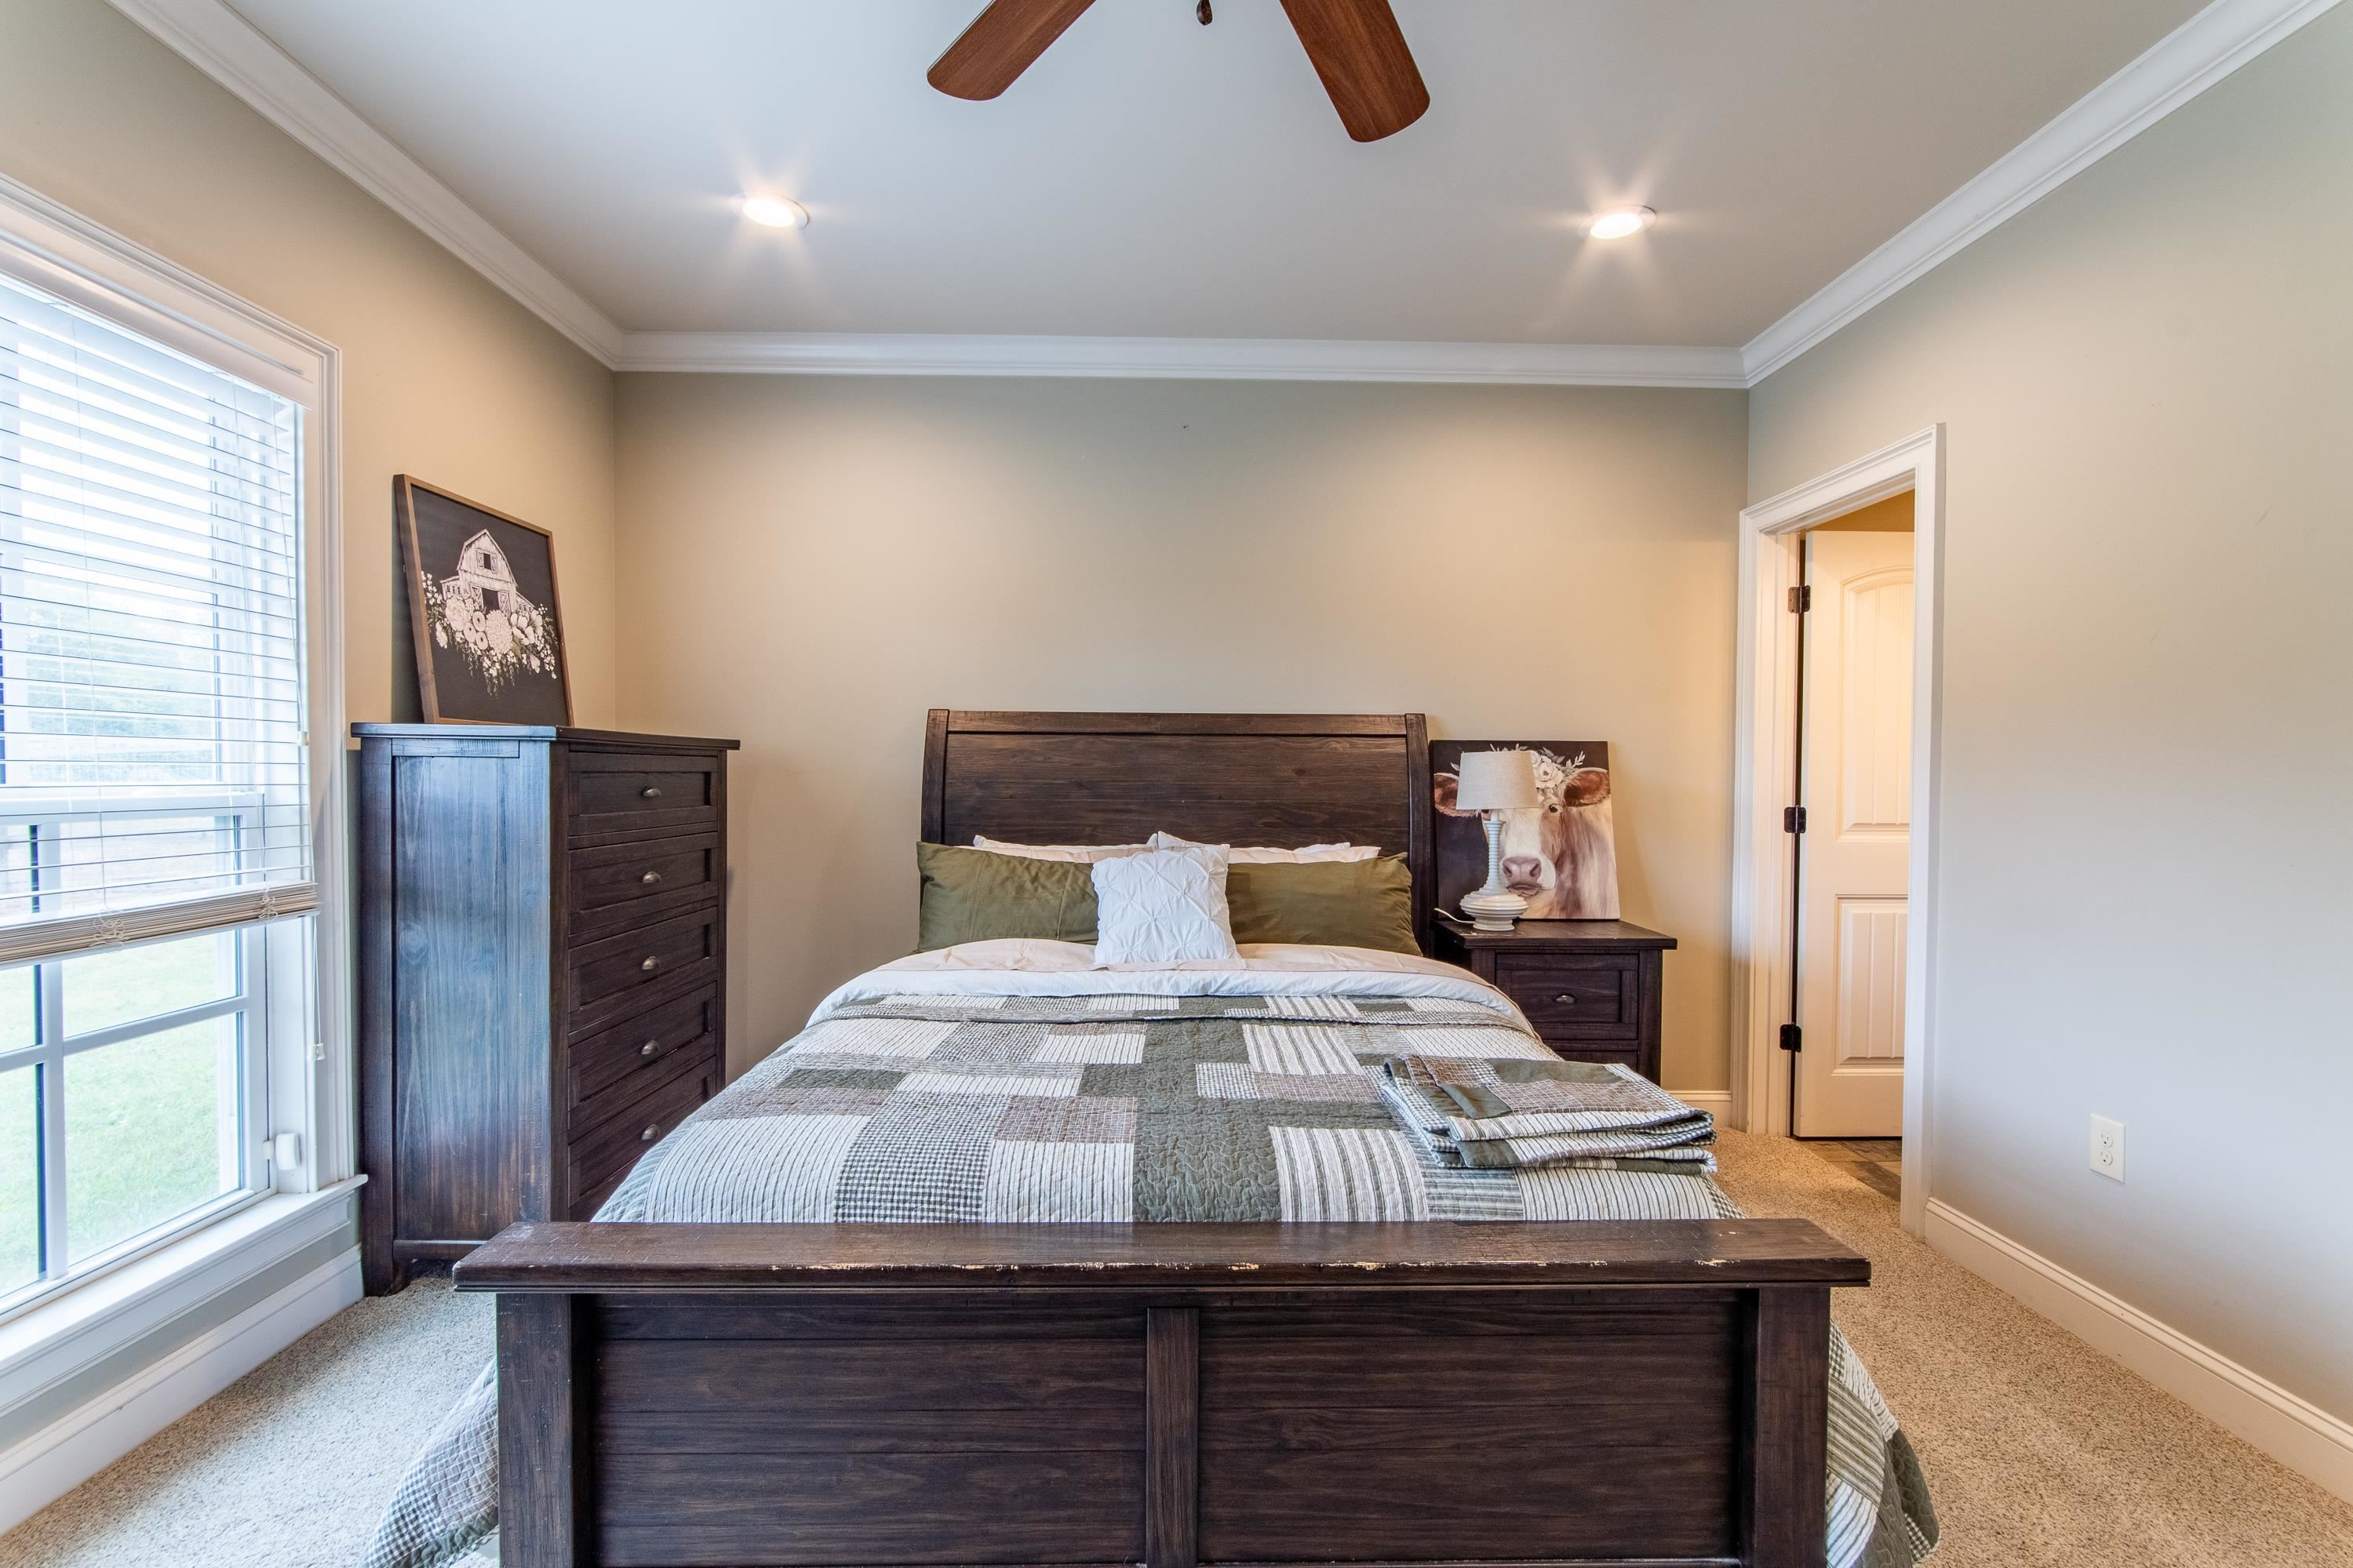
{"x": 1150, "y": 177}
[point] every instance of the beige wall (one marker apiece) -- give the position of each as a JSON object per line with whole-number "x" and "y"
{"x": 811, "y": 564}
{"x": 2145, "y": 845}
{"x": 444, "y": 376}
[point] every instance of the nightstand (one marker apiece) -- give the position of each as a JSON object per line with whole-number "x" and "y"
{"x": 1590, "y": 987}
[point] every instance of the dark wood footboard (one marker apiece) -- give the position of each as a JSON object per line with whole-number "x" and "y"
{"x": 1594, "y": 1392}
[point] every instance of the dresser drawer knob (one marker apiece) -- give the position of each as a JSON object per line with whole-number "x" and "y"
{"x": 653, "y": 1130}
{"x": 650, "y": 1048}
{"x": 650, "y": 964}
{"x": 652, "y": 792}
{"x": 1565, "y": 1000}
{"x": 650, "y": 878}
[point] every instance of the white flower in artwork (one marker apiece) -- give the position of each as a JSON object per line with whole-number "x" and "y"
{"x": 1552, "y": 773}
{"x": 480, "y": 613}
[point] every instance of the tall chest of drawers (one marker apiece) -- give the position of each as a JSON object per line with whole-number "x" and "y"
{"x": 543, "y": 953}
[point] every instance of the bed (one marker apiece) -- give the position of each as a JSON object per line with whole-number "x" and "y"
{"x": 1196, "y": 1308}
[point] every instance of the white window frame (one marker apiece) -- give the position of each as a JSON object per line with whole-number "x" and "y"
{"x": 311, "y": 1072}
{"x": 252, "y": 1005}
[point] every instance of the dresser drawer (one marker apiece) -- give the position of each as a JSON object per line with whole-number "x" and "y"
{"x": 600, "y": 1158}
{"x": 1630, "y": 1056}
{"x": 1591, "y": 988}
{"x": 610, "y": 1070}
{"x": 1573, "y": 995}
{"x": 614, "y": 977}
{"x": 639, "y": 794}
{"x": 612, "y": 887}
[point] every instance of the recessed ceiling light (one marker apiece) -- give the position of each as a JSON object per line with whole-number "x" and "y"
{"x": 776, "y": 212}
{"x": 1620, "y": 222}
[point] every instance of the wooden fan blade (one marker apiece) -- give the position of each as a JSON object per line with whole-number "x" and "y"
{"x": 1001, "y": 44}
{"x": 1365, "y": 67}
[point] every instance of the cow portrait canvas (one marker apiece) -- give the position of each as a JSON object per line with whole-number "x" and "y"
{"x": 482, "y": 605}
{"x": 1561, "y": 854}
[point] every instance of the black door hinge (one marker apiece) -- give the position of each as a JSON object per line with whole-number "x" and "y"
{"x": 1793, "y": 819}
{"x": 1801, "y": 599}
{"x": 1792, "y": 1038}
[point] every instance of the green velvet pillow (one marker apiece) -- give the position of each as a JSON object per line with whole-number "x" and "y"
{"x": 975, "y": 895}
{"x": 1325, "y": 903}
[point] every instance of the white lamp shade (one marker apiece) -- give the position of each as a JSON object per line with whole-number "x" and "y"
{"x": 1495, "y": 781}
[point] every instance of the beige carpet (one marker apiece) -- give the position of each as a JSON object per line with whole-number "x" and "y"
{"x": 289, "y": 1467}
{"x": 2039, "y": 1451}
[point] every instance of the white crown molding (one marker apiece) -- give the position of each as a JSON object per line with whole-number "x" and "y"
{"x": 2203, "y": 50}
{"x": 238, "y": 55}
{"x": 1212, "y": 359}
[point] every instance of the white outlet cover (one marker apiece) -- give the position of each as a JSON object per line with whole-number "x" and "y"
{"x": 2108, "y": 1148}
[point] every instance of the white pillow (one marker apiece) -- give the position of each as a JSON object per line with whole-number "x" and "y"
{"x": 1262, "y": 856}
{"x": 1081, "y": 853}
{"x": 1165, "y": 906}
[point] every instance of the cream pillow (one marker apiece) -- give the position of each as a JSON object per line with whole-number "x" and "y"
{"x": 1257, "y": 855}
{"x": 1084, "y": 854}
{"x": 1165, "y": 906}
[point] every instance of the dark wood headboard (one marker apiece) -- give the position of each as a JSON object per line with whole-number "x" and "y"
{"x": 1284, "y": 779}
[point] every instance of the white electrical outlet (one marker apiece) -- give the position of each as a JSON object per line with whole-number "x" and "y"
{"x": 2108, "y": 1148}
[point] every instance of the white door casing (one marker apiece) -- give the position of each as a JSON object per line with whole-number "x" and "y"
{"x": 1853, "y": 858}
{"x": 1765, "y": 744}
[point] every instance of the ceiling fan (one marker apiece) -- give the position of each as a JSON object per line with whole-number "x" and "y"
{"x": 1355, "y": 45}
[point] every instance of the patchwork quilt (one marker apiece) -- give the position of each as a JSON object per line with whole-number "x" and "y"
{"x": 998, "y": 1105}
{"x": 1109, "y": 1109}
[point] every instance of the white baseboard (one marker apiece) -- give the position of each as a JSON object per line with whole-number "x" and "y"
{"x": 44, "y": 1467}
{"x": 1716, "y": 1102}
{"x": 2292, "y": 1430}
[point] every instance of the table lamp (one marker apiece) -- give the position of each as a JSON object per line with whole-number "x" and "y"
{"x": 1489, "y": 782}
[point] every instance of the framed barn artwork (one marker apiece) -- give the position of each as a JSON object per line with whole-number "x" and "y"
{"x": 1561, "y": 854}
{"x": 482, "y": 604}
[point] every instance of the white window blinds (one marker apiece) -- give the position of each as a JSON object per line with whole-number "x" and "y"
{"x": 153, "y": 772}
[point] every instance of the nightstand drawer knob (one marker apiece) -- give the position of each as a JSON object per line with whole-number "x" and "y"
{"x": 650, "y": 878}
{"x": 650, "y": 1048}
{"x": 653, "y": 1130}
{"x": 1565, "y": 1000}
{"x": 650, "y": 964}
{"x": 652, "y": 792}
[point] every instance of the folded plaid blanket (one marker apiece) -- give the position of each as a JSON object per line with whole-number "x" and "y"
{"x": 1515, "y": 1113}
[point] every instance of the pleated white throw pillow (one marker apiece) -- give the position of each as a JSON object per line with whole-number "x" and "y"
{"x": 1166, "y": 906}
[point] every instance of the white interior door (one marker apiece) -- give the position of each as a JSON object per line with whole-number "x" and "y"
{"x": 1852, "y": 858}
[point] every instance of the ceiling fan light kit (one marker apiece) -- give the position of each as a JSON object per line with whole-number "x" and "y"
{"x": 1355, "y": 46}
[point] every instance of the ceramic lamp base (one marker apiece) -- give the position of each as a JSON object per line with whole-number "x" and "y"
{"x": 1493, "y": 911}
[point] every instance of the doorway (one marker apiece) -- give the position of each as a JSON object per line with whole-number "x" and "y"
{"x": 1768, "y": 890}
{"x": 1853, "y": 840}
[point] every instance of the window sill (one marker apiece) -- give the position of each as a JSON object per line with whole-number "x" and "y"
{"x": 57, "y": 1339}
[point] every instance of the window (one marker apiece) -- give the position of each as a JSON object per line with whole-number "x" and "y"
{"x": 156, "y": 956}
